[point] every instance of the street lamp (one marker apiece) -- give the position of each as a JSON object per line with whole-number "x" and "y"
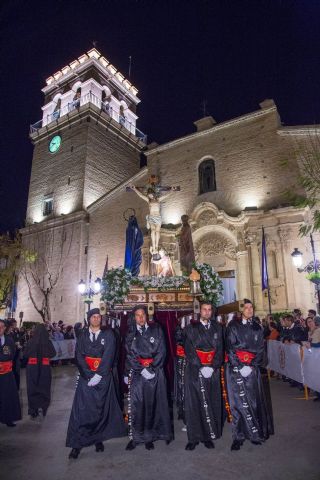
{"x": 297, "y": 261}
{"x": 297, "y": 258}
{"x": 97, "y": 285}
{"x": 90, "y": 289}
{"x": 82, "y": 287}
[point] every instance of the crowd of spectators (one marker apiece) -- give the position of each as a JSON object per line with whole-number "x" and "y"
{"x": 21, "y": 335}
{"x": 293, "y": 328}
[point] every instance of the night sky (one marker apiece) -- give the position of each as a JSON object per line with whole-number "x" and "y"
{"x": 232, "y": 54}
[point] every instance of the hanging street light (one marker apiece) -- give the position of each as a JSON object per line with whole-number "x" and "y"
{"x": 97, "y": 285}
{"x": 90, "y": 289}
{"x": 297, "y": 258}
{"x": 81, "y": 287}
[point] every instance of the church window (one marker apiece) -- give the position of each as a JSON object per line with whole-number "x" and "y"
{"x": 47, "y": 206}
{"x": 207, "y": 176}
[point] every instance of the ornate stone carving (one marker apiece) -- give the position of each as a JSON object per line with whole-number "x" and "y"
{"x": 250, "y": 238}
{"x": 241, "y": 241}
{"x": 206, "y": 218}
{"x": 214, "y": 245}
{"x": 285, "y": 235}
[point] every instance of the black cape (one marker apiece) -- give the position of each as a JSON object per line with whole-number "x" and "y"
{"x": 148, "y": 408}
{"x": 179, "y": 373}
{"x": 9, "y": 398}
{"x": 95, "y": 414}
{"x": 251, "y": 418}
{"x": 39, "y": 375}
{"x": 203, "y": 402}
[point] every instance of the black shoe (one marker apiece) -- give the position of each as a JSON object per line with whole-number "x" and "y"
{"x": 209, "y": 444}
{"x": 11, "y": 424}
{"x": 168, "y": 442}
{"x": 131, "y": 445}
{"x": 254, "y": 442}
{"x": 74, "y": 453}
{"x": 149, "y": 446}
{"x": 236, "y": 445}
{"x": 191, "y": 445}
{"x": 317, "y": 399}
{"x": 99, "y": 447}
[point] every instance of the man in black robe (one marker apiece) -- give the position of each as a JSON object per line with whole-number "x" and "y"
{"x": 95, "y": 415}
{"x": 204, "y": 355}
{"x": 245, "y": 348}
{"x": 148, "y": 408}
{"x": 39, "y": 350}
{"x": 10, "y": 410}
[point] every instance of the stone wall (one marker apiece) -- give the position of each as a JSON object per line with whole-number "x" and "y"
{"x": 109, "y": 162}
{"x": 50, "y": 174}
{"x": 249, "y": 155}
{"x": 61, "y": 253}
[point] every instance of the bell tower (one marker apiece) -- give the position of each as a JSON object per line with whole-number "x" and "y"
{"x": 86, "y": 142}
{"x": 85, "y": 145}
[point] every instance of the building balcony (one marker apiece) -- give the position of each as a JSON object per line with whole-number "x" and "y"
{"x": 104, "y": 108}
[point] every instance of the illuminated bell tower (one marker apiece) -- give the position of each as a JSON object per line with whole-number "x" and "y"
{"x": 87, "y": 141}
{"x": 85, "y": 145}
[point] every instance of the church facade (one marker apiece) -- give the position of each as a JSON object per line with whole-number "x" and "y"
{"x": 232, "y": 178}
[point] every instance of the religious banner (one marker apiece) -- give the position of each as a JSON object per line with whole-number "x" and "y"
{"x": 285, "y": 359}
{"x": 311, "y": 368}
{"x": 65, "y": 349}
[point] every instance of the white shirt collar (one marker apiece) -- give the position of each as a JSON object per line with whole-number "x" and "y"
{"x": 145, "y": 325}
{"x": 91, "y": 334}
{"x": 205, "y": 324}
{"x": 246, "y": 320}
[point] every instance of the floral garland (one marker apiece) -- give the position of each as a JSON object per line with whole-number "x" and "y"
{"x": 116, "y": 285}
{"x": 117, "y": 282}
{"x": 210, "y": 283}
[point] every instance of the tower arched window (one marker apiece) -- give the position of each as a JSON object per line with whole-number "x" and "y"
{"x": 105, "y": 101}
{"x": 207, "y": 176}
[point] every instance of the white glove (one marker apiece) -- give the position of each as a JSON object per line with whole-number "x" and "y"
{"x": 147, "y": 375}
{"x": 94, "y": 380}
{"x": 126, "y": 380}
{"x": 206, "y": 372}
{"x": 245, "y": 371}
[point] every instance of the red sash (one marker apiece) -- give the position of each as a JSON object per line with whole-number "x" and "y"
{"x": 93, "y": 363}
{"x": 5, "y": 367}
{"x": 180, "y": 351}
{"x": 145, "y": 362}
{"x": 245, "y": 357}
{"x": 206, "y": 357}
{"x": 34, "y": 361}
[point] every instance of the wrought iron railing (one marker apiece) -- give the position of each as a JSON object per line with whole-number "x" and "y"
{"x": 104, "y": 106}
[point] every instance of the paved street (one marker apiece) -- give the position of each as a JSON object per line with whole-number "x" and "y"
{"x": 36, "y": 450}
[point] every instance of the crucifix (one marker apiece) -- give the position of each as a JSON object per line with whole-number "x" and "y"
{"x": 152, "y": 193}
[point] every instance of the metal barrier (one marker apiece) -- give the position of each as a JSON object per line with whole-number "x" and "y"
{"x": 295, "y": 362}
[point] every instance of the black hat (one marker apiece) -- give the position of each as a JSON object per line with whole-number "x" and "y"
{"x": 93, "y": 311}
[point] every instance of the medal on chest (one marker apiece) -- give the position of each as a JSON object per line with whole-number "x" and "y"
{"x": 6, "y": 350}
